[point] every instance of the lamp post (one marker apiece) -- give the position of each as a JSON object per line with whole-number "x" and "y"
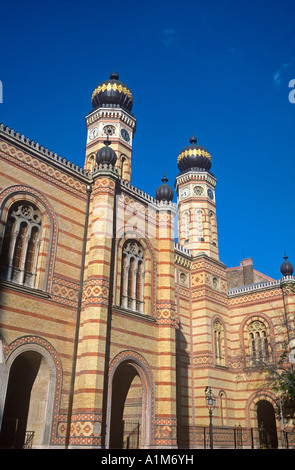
{"x": 210, "y": 400}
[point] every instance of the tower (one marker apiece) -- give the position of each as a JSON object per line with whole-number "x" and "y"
{"x": 195, "y": 186}
{"x": 197, "y": 231}
{"x": 111, "y": 118}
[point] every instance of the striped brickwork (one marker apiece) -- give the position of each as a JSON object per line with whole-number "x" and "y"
{"x": 197, "y": 224}
{"x": 110, "y": 121}
{"x": 47, "y": 314}
{"x": 75, "y": 319}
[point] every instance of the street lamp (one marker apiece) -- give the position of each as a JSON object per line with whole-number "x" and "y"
{"x": 210, "y": 400}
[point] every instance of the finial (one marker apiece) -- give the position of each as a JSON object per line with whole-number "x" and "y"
{"x": 164, "y": 180}
{"x": 107, "y": 142}
{"x": 193, "y": 139}
{"x": 287, "y": 268}
{"x": 114, "y": 75}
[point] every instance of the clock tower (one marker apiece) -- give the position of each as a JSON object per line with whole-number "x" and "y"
{"x": 195, "y": 186}
{"x": 111, "y": 119}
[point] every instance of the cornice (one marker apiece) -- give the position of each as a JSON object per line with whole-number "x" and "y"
{"x": 182, "y": 256}
{"x": 203, "y": 256}
{"x": 259, "y": 286}
{"x": 197, "y": 174}
{"x": 111, "y": 113}
{"x": 24, "y": 289}
{"x": 146, "y": 198}
{"x": 43, "y": 153}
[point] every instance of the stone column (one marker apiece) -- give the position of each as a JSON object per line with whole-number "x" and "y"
{"x": 165, "y": 412}
{"x": 92, "y": 358}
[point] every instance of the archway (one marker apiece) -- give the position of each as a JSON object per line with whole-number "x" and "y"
{"x": 126, "y": 408}
{"x": 267, "y": 424}
{"x": 131, "y": 400}
{"x": 26, "y": 404}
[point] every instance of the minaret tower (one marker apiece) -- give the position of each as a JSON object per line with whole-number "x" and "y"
{"x": 111, "y": 117}
{"x": 195, "y": 186}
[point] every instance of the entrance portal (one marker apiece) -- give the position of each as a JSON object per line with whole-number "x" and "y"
{"x": 126, "y": 408}
{"x": 26, "y": 401}
{"x": 267, "y": 425}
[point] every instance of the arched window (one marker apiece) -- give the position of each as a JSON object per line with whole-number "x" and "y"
{"x": 132, "y": 285}
{"x": 184, "y": 226}
{"x": 259, "y": 348}
{"x": 222, "y": 408}
{"x": 199, "y": 217}
{"x": 213, "y": 228}
{"x": 219, "y": 343}
{"x": 21, "y": 243}
{"x": 90, "y": 163}
{"x": 123, "y": 167}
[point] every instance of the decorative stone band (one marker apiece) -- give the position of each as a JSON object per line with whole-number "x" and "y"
{"x": 133, "y": 191}
{"x": 182, "y": 256}
{"x": 85, "y": 429}
{"x": 95, "y": 291}
{"x": 196, "y": 174}
{"x": 166, "y": 314}
{"x": 44, "y": 152}
{"x": 193, "y": 152}
{"x": 165, "y": 431}
{"x": 113, "y": 87}
{"x": 111, "y": 113}
{"x": 260, "y": 286}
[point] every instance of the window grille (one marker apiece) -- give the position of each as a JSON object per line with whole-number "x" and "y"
{"x": 219, "y": 343}
{"x": 259, "y": 348}
{"x": 132, "y": 290}
{"x": 21, "y": 243}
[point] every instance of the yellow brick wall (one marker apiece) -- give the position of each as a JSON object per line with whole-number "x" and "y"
{"x": 50, "y": 315}
{"x": 171, "y": 344}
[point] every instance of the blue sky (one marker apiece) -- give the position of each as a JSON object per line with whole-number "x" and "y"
{"x": 217, "y": 68}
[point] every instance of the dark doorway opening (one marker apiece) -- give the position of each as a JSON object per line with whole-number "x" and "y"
{"x": 22, "y": 375}
{"x": 267, "y": 425}
{"x": 126, "y": 408}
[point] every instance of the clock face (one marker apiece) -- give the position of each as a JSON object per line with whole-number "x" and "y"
{"x": 109, "y": 130}
{"x": 125, "y": 135}
{"x": 185, "y": 192}
{"x": 93, "y": 133}
{"x": 198, "y": 190}
{"x": 210, "y": 194}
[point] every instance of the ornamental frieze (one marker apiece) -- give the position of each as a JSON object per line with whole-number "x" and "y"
{"x": 94, "y": 291}
{"x": 202, "y": 360}
{"x": 41, "y": 168}
{"x": 64, "y": 294}
{"x": 84, "y": 426}
{"x": 166, "y": 314}
{"x": 165, "y": 432}
{"x": 209, "y": 267}
{"x": 255, "y": 297}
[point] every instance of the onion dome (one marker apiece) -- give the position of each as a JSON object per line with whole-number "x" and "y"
{"x": 164, "y": 192}
{"x": 112, "y": 94}
{"x": 287, "y": 268}
{"x": 194, "y": 156}
{"x": 106, "y": 154}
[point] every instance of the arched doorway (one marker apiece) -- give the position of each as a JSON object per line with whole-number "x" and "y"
{"x": 26, "y": 409}
{"x": 130, "y": 398}
{"x": 267, "y": 425}
{"x": 126, "y": 408}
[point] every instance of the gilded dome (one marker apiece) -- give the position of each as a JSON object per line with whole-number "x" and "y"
{"x": 194, "y": 156}
{"x": 112, "y": 93}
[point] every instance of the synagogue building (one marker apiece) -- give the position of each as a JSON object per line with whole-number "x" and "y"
{"x": 112, "y": 334}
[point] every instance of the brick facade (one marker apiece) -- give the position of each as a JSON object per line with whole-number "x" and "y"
{"x": 103, "y": 362}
